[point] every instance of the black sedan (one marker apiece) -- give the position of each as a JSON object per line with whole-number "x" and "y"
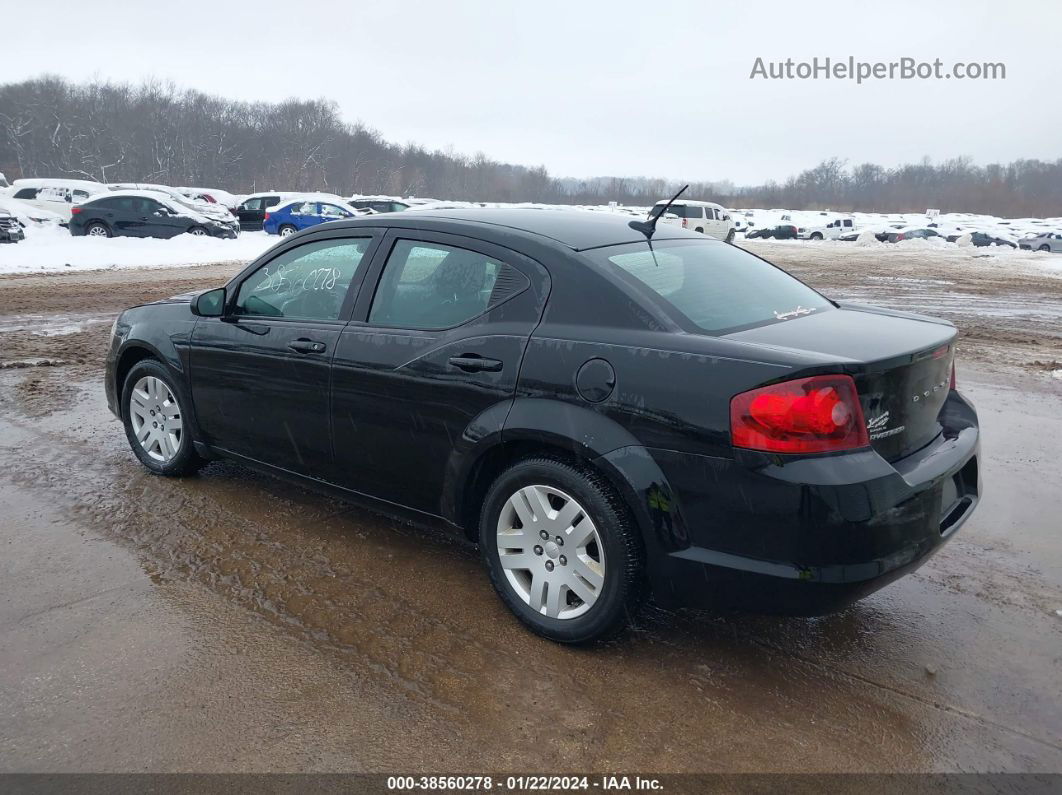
{"x": 780, "y": 232}
{"x": 143, "y": 214}
{"x": 610, "y": 416}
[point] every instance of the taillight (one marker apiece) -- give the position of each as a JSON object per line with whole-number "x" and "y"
{"x": 266, "y": 217}
{"x": 808, "y": 415}
{"x": 685, "y": 222}
{"x": 75, "y": 210}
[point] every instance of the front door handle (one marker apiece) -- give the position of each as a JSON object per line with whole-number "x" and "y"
{"x": 472, "y": 363}
{"x": 307, "y": 346}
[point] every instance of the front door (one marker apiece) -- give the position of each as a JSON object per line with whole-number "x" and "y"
{"x": 261, "y": 375}
{"x": 439, "y": 346}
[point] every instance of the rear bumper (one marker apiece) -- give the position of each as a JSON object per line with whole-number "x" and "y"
{"x": 806, "y": 536}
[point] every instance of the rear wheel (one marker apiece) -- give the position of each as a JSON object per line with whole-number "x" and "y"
{"x": 562, "y": 550}
{"x": 97, "y": 229}
{"x": 155, "y": 421}
{"x": 730, "y": 236}
{"x": 287, "y": 229}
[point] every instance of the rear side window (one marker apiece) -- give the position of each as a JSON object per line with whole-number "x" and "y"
{"x": 252, "y": 204}
{"x": 716, "y": 287}
{"x": 26, "y": 193}
{"x": 432, "y": 286}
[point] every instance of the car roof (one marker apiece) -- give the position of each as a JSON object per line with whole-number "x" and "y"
{"x": 575, "y": 229}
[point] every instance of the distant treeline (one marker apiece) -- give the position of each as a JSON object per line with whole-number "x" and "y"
{"x": 158, "y": 133}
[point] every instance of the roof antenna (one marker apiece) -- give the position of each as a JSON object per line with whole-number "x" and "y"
{"x": 648, "y": 227}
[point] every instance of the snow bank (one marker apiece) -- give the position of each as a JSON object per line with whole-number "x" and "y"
{"x": 46, "y": 250}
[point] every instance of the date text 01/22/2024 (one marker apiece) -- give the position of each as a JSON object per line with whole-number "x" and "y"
{"x": 522, "y": 783}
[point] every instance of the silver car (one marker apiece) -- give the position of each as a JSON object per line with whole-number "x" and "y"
{"x": 1048, "y": 241}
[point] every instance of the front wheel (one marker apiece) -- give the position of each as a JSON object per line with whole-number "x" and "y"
{"x": 562, "y": 551}
{"x": 155, "y": 422}
{"x": 730, "y": 236}
{"x": 816, "y": 236}
{"x": 1045, "y": 247}
{"x": 198, "y": 231}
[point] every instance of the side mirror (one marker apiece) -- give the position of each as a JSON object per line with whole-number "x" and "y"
{"x": 210, "y": 304}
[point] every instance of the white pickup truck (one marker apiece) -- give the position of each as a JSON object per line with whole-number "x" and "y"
{"x": 708, "y": 218}
{"x": 831, "y": 230}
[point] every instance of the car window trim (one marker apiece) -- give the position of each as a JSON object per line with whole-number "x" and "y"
{"x": 357, "y": 282}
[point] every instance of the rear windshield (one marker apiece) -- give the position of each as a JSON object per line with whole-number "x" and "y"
{"x": 717, "y": 287}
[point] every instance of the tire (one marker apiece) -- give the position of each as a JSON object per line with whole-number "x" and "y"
{"x": 699, "y": 229}
{"x": 816, "y": 236}
{"x": 155, "y": 453}
{"x": 287, "y": 229}
{"x": 730, "y": 236}
{"x": 97, "y": 229}
{"x": 1044, "y": 247}
{"x": 618, "y": 566}
{"x": 198, "y": 231}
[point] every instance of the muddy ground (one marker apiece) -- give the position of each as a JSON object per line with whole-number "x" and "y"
{"x": 229, "y": 621}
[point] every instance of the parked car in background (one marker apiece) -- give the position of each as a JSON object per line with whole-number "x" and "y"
{"x": 29, "y": 215}
{"x": 708, "y": 218}
{"x": 295, "y": 215}
{"x": 131, "y": 213}
{"x": 210, "y": 209}
{"x": 779, "y": 232}
{"x": 378, "y": 204}
{"x": 211, "y": 196}
{"x": 55, "y": 195}
{"x": 828, "y": 231}
{"x": 251, "y": 211}
{"x": 909, "y": 233}
{"x": 10, "y": 228}
{"x": 1046, "y": 241}
{"x": 767, "y": 454}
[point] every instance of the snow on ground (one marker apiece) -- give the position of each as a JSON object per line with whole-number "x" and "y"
{"x": 55, "y": 249}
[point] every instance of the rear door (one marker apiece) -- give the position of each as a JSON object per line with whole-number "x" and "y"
{"x": 438, "y": 344}
{"x": 261, "y": 375}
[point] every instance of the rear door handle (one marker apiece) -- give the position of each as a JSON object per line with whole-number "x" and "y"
{"x": 307, "y": 346}
{"x": 472, "y": 363}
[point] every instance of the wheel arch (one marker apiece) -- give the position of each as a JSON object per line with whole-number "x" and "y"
{"x": 575, "y": 434}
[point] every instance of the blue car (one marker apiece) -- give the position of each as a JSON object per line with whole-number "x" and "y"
{"x": 292, "y": 217}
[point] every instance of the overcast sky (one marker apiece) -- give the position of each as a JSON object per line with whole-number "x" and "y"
{"x": 613, "y": 88}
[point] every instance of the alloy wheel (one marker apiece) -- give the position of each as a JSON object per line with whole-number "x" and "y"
{"x": 551, "y": 552}
{"x": 97, "y": 231}
{"x": 156, "y": 418}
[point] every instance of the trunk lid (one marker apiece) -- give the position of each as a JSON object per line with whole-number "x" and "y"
{"x": 900, "y": 362}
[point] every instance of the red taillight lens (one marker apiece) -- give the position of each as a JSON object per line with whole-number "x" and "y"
{"x": 266, "y": 218}
{"x": 75, "y": 210}
{"x": 809, "y": 415}
{"x": 685, "y": 222}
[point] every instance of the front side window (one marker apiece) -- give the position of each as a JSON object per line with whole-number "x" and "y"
{"x": 718, "y": 288}
{"x": 308, "y": 282}
{"x": 432, "y": 286}
{"x": 305, "y": 208}
{"x": 26, "y": 193}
